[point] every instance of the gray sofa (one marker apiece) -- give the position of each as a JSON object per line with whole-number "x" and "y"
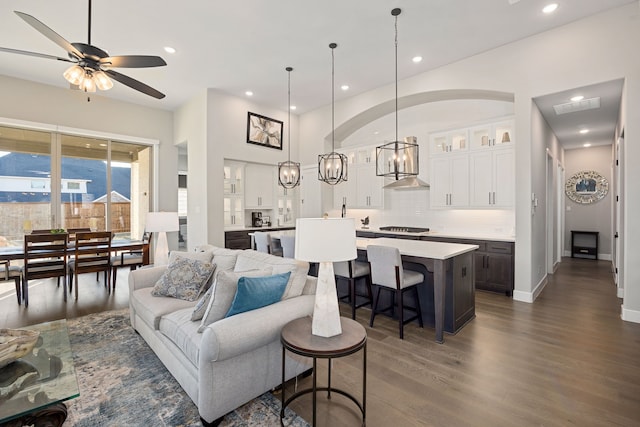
{"x": 234, "y": 359}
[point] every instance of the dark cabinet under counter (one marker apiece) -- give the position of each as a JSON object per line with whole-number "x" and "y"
{"x": 494, "y": 263}
{"x": 241, "y": 239}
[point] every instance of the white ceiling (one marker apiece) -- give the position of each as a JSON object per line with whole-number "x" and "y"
{"x": 246, "y": 45}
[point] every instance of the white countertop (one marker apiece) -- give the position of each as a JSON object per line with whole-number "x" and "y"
{"x": 471, "y": 236}
{"x": 419, "y": 248}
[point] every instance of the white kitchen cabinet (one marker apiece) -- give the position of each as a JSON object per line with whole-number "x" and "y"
{"x": 363, "y": 189}
{"x": 499, "y": 134}
{"x": 369, "y": 192}
{"x": 449, "y": 179}
{"x": 451, "y": 142}
{"x": 259, "y": 187}
{"x": 233, "y": 212}
{"x": 345, "y": 192}
{"x": 286, "y": 200}
{"x": 492, "y": 178}
{"x": 233, "y": 201}
{"x": 233, "y": 177}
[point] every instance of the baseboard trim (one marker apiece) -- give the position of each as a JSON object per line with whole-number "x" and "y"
{"x": 530, "y": 297}
{"x": 630, "y": 315}
{"x": 620, "y": 292}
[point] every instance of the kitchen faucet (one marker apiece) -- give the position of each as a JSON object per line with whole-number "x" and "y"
{"x": 344, "y": 210}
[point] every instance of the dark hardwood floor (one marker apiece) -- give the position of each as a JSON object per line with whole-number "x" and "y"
{"x": 566, "y": 360}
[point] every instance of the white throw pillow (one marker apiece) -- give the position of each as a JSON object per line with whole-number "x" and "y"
{"x": 222, "y": 293}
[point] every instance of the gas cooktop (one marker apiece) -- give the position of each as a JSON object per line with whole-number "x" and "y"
{"x": 404, "y": 229}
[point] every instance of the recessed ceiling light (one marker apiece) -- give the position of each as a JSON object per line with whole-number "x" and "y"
{"x": 587, "y": 145}
{"x": 376, "y": 132}
{"x": 248, "y": 93}
{"x": 344, "y": 87}
{"x": 583, "y": 131}
{"x": 417, "y": 59}
{"x": 550, "y": 8}
{"x": 169, "y": 49}
{"x": 577, "y": 98}
{"x": 293, "y": 107}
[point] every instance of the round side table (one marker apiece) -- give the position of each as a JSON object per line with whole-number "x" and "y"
{"x": 297, "y": 338}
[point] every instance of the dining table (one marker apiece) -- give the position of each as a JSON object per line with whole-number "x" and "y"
{"x": 10, "y": 253}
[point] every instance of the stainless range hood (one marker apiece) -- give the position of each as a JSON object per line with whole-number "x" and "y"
{"x": 408, "y": 183}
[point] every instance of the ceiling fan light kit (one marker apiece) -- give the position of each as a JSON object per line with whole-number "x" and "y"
{"x": 91, "y": 67}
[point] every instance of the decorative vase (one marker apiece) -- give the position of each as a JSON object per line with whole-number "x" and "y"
{"x": 506, "y": 137}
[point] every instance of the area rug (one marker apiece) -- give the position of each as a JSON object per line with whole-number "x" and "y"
{"x": 123, "y": 383}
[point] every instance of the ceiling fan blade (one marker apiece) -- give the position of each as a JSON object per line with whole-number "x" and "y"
{"x": 134, "y": 84}
{"x": 36, "y": 54}
{"x": 50, "y": 34}
{"x": 132, "y": 61}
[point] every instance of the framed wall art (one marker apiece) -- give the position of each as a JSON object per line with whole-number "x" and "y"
{"x": 262, "y": 130}
{"x": 586, "y": 187}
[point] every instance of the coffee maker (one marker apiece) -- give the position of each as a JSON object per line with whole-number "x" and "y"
{"x": 256, "y": 219}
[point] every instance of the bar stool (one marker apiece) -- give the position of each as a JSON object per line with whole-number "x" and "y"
{"x": 351, "y": 271}
{"x": 388, "y": 273}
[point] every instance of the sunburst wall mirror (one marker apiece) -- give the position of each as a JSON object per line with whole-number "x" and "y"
{"x": 586, "y": 187}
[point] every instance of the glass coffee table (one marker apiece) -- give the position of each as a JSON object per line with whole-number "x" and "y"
{"x": 33, "y": 388}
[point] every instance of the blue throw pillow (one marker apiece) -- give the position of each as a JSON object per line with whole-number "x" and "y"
{"x": 256, "y": 292}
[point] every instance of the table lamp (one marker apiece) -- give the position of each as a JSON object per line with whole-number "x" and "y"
{"x": 325, "y": 241}
{"x": 161, "y": 223}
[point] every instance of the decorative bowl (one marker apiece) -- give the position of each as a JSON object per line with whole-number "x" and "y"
{"x": 15, "y": 343}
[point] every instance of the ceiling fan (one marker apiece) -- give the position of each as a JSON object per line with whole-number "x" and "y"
{"x": 92, "y": 65}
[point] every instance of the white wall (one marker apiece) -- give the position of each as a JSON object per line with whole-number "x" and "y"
{"x": 227, "y": 139}
{"x": 595, "y": 216}
{"x": 596, "y": 49}
{"x": 190, "y": 127}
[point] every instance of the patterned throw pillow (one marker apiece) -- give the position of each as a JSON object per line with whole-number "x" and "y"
{"x": 184, "y": 279}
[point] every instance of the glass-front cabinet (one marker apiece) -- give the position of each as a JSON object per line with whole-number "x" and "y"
{"x": 492, "y": 135}
{"x": 455, "y": 141}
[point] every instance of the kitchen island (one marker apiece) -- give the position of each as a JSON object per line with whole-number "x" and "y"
{"x": 447, "y": 296}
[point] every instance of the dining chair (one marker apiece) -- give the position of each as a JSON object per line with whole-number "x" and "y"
{"x": 288, "y": 244}
{"x": 351, "y": 271}
{"x": 264, "y": 243}
{"x": 13, "y": 272}
{"x": 45, "y": 255}
{"x": 388, "y": 273}
{"x": 91, "y": 253}
{"x": 130, "y": 258}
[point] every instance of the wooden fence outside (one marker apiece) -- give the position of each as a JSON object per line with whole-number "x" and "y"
{"x": 74, "y": 215}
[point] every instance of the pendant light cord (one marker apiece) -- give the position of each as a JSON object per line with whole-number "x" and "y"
{"x": 396, "y": 59}
{"x": 289, "y": 69}
{"x": 333, "y": 126}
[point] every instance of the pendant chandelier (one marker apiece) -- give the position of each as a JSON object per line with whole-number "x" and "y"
{"x": 289, "y": 172}
{"x": 397, "y": 159}
{"x": 332, "y": 167}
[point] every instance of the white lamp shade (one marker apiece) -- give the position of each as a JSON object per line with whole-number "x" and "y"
{"x": 325, "y": 240}
{"x": 162, "y": 221}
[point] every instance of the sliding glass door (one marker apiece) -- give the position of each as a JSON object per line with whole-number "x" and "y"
{"x": 55, "y": 180}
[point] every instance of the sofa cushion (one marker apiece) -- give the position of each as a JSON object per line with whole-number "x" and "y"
{"x": 179, "y": 328}
{"x": 249, "y": 259}
{"x": 150, "y": 309}
{"x": 224, "y": 290}
{"x": 204, "y": 256}
{"x": 226, "y": 259}
{"x": 256, "y": 292}
{"x": 184, "y": 278}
